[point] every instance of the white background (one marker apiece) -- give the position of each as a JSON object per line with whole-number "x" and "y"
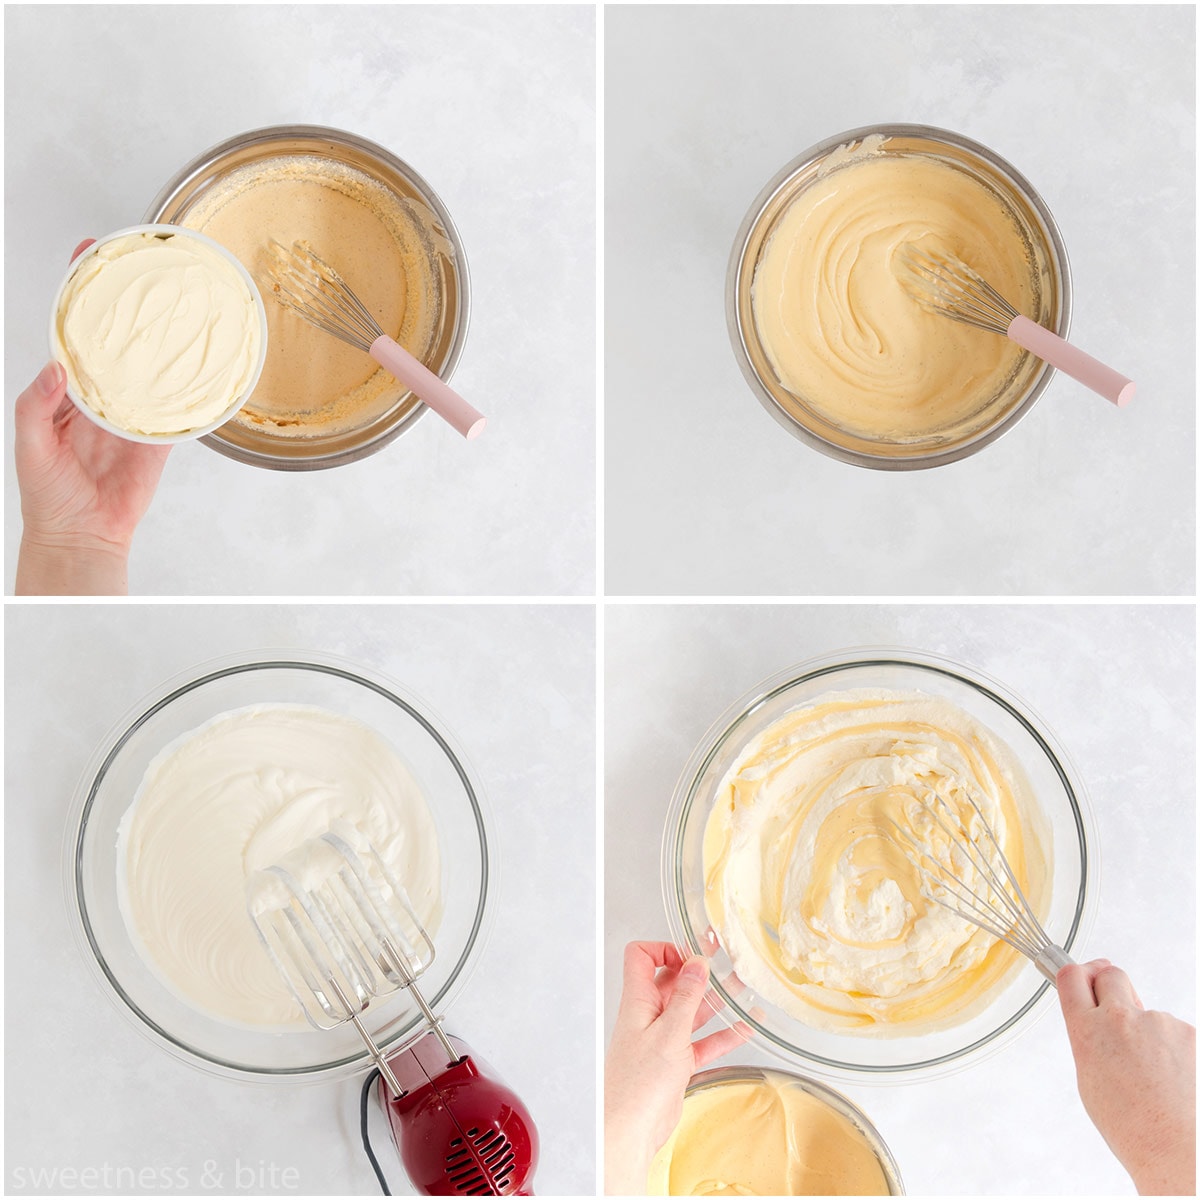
{"x": 1115, "y": 684}
{"x": 516, "y": 687}
{"x": 705, "y": 493}
{"x": 495, "y": 107}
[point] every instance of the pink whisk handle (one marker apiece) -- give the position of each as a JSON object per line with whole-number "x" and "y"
{"x": 435, "y": 392}
{"x": 1089, "y": 371}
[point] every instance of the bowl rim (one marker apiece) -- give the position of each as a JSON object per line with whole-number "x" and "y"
{"x": 826, "y": 664}
{"x": 57, "y": 350}
{"x": 749, "y": 1073}
{"x": 161, "y": 697}
{"x": 737, "y": 334}
{"x": 321, "y": 133}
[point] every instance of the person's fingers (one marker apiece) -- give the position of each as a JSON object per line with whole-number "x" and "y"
{"x": 1075, "y": 993}
{"x": 82, "y": 247}
{"x": 35, "y": 409}
{"x": 650, "y": 956}
{"x": 1113, "y": 986}
{"x": 713, "y": 1003}
{"x": 1078, "y": 976}
{"x": 643, "y": 961}
{"x": 687, "y": 997}
{"x": 640, "y": 996}
{"x": 721, "y": 1042}
{"x": 64, "y": 410}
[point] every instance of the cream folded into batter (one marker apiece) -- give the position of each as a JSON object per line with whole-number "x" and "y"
{"x": 233, "y": 797}
{"x": 838, "y": 326}
{"x": 158, "y": 335}
{"x": 808, "y": 885}
{"x": 764, "y": 1138}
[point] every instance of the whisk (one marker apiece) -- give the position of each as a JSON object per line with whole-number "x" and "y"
{"x": 310, "y": 287}
{"x": 994, "y": 900}
{"x": 946, "y": 285}
{"x": 343, "y": 933}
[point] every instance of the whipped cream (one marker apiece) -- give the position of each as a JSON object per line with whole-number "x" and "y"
{"x": 241, "y": 793}
{"x": 767, "y": 1137}
{"x": 809, "y": 886}
{"x": 158, "y": 335}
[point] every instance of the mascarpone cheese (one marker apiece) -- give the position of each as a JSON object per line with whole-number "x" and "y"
{"x": 808, "y": 885}
{"x": 838, "y": 326}
{"x": 158, "y": 335}
{"x": 237, "y": 795}
{"x": 764, "y": 1138}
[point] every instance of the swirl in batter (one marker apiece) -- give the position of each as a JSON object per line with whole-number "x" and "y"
{"x": 768, "y": 1137}
{"x": 241, "y": 793}
{"x": 809, "y": 888}
{"x": 838, "y": 327}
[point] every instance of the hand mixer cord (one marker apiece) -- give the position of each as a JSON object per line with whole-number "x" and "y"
{"x": 363, "y": 1109}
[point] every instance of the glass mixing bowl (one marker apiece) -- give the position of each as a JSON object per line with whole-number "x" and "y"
{"x": 1070, "y": 829}
{"x": 111, "y": 780}
{"x": 1051, "y": 274}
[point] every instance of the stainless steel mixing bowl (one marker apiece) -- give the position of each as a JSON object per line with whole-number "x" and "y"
{"x": 258, "y": 446}
{"x": 1044, "y": 245}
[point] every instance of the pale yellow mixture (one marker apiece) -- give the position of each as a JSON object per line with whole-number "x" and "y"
{"x": 764, "y": 1138}
{"x": 384, "y": 246}
{"x": 835, "y": 321}
{"x": 808, "y": 885}
{"x": 159, "y": 335}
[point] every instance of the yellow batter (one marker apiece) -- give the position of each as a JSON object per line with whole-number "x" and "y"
{"x": 836, "y": 323}
{"x": 768, "y": 1138}
{"x": 807, "y": 884}
{"x": 383, "y": 246}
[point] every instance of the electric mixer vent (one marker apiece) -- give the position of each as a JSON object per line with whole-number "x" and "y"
{"x": 487, "y": 1171}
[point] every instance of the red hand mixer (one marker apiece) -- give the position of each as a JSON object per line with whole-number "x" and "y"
{"x": 350, "y": 937}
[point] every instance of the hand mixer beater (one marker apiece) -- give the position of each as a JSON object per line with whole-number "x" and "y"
{"x": 343, "y": 934}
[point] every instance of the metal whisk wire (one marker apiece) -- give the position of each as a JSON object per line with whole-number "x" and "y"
{"x": 312, "y": 289}
{"x": 943, "y": 284}
{"x": 309, "y": 286}
{"x": 948, "y": 286}
{"x": 1002, "y": 909}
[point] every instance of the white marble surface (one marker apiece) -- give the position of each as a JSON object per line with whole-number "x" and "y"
{"x": 495, "y": 107}
{"x": 1116, "y": 684}
{"x": 705, "y": 494}
{"x": 514, "y": 684}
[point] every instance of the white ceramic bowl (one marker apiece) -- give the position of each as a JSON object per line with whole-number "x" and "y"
{"x": 57, "y": 352}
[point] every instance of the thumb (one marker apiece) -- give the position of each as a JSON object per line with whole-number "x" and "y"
{"x": 35, "y": 409}
{"x": 690, "y": 986}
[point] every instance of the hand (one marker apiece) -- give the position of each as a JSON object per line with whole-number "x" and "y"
{"x": 83, "y": 492}
{"x": 1137, "y": 1076}
{"x": 652, "y": 1056}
